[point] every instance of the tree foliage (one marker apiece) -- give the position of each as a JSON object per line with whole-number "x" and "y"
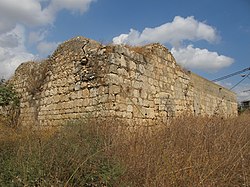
{"x": 9, "y": 103}
{"x": 7, "y": 95}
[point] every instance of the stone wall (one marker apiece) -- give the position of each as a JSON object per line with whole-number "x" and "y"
{"x": 86, "y": 79}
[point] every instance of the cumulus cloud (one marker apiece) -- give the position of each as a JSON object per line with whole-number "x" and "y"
{"x": 196, "y": 58}
{"x": 32, "y": 13}
{"x": 45, "y": 48}
{"x": 16, "y": 16}
{"x": 13, "y": 51}
{"x": 37, "y": 36}
{"x": 73, "y": 5}
{"x": 175, "y": 33}
{"x": 28, "y": 12}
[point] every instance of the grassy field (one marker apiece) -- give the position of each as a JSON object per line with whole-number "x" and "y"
{"x": 186, "y": 152}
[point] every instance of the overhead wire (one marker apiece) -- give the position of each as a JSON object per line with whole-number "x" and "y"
{"x": 246, "y": 91}
{"x": 240, "y": 81}
{"x": 230, "y": 75}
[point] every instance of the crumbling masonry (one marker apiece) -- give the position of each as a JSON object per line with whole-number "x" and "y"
{"x": 86, "y": 79}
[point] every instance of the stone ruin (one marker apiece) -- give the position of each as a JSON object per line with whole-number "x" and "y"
{"x": 84, "y": 78}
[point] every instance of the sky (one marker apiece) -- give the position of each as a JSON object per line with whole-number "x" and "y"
{"x": 209, "y": 37}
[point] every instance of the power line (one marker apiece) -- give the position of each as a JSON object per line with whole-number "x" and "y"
{"x": 232, "y": 74}
{"x": 240, "y": 81}
{"x": 246, "y": 91}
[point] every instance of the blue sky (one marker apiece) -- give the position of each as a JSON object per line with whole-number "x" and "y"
{"x": 208, "y": 37}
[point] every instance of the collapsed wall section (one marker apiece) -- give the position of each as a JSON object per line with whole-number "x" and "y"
{"x": 139, "y": 84}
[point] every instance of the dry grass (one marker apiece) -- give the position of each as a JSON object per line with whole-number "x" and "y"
{"x": 187, "y": 152}
{"x": 190, "y": 152}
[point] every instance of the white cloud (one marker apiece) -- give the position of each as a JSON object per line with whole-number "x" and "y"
{"x": 13, "y": 52}
{"x": 73, "y": 5}
{"x": 46, "y": 48}
{"x": 175, "y": 33}
{"x": 37, "y": 36}
{"x": 196, "y": 58}
{"x": 15, "y": 15}
{"x": 32, "y": 13}
{"x": 28, "y": 12}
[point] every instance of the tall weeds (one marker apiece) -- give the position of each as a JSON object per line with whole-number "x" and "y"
{"x": 187, "y": 151}
{"x": 190, "y": 152}
{"x": 72, "y": 156}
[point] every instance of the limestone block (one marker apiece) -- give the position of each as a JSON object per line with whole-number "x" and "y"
{"x": 64, "y": 98}
{"x": 49, "y": 85}
{"x": 85, "y": 102}
{"x": 129, "y": 101}
{"x": 93, "y": 92}
{"x": 132, "y": 65}
{"x": 120, "y": 114}
{"x": 164, "y": 95}
{"x": 114, "y": 89}
{"x": 141, "y": 68}
{"x": 103, "y": 98}
{"x": 122, "y": 107}
{"x": 171, "y": 87}
{"x": 112, "y": 97}
{"x": 77, "y": 86}
{"x": 134, "y": 101}
{"x": 156, "y": 82}
{"x": 140, "y": 101}
{"x": 136, "y": 93}
{"x": 128, "y": 115}
{"x": 144, "y": 94}
{"x": 60, "y": 90}
{"x": 93, "y": 101}
{"x": 123, "y": 62}
{"x": 150, "y": 81}
{"x": 138, "y": 57}
{"x": 157, "y": 101}
{"x": 113, "y": 68}
{"x": 114, "y": 79}
{"x": 120, "y": 98}
{"x": 57, "y": 98}
{"x": 113, "y": 59}
{"x": 137, "y": 84}
{"x": 130, "y": 108}
{"x": 153, "y": 89}
{"x": 85, "y": 93}
{"x": 127, "y": 82}
{"x": 90, "y": 108}
{"x": 47, "y": 93}
{"x": 123, "y": 72}
{"x": 147, "y": 73}
{"x": 149, "y": 112}
{"x": 73, "y": 95}
{"x": 162, "y": 107}
{"x": 147, "y": 103}
{"x": 132, "y": 74}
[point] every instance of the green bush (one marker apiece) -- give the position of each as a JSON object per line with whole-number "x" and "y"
{"x": 7, "y": 95}
{"x": 9, "y": 103}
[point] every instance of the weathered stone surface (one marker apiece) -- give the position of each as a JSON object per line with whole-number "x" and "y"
{"x": 85, "y": 78}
